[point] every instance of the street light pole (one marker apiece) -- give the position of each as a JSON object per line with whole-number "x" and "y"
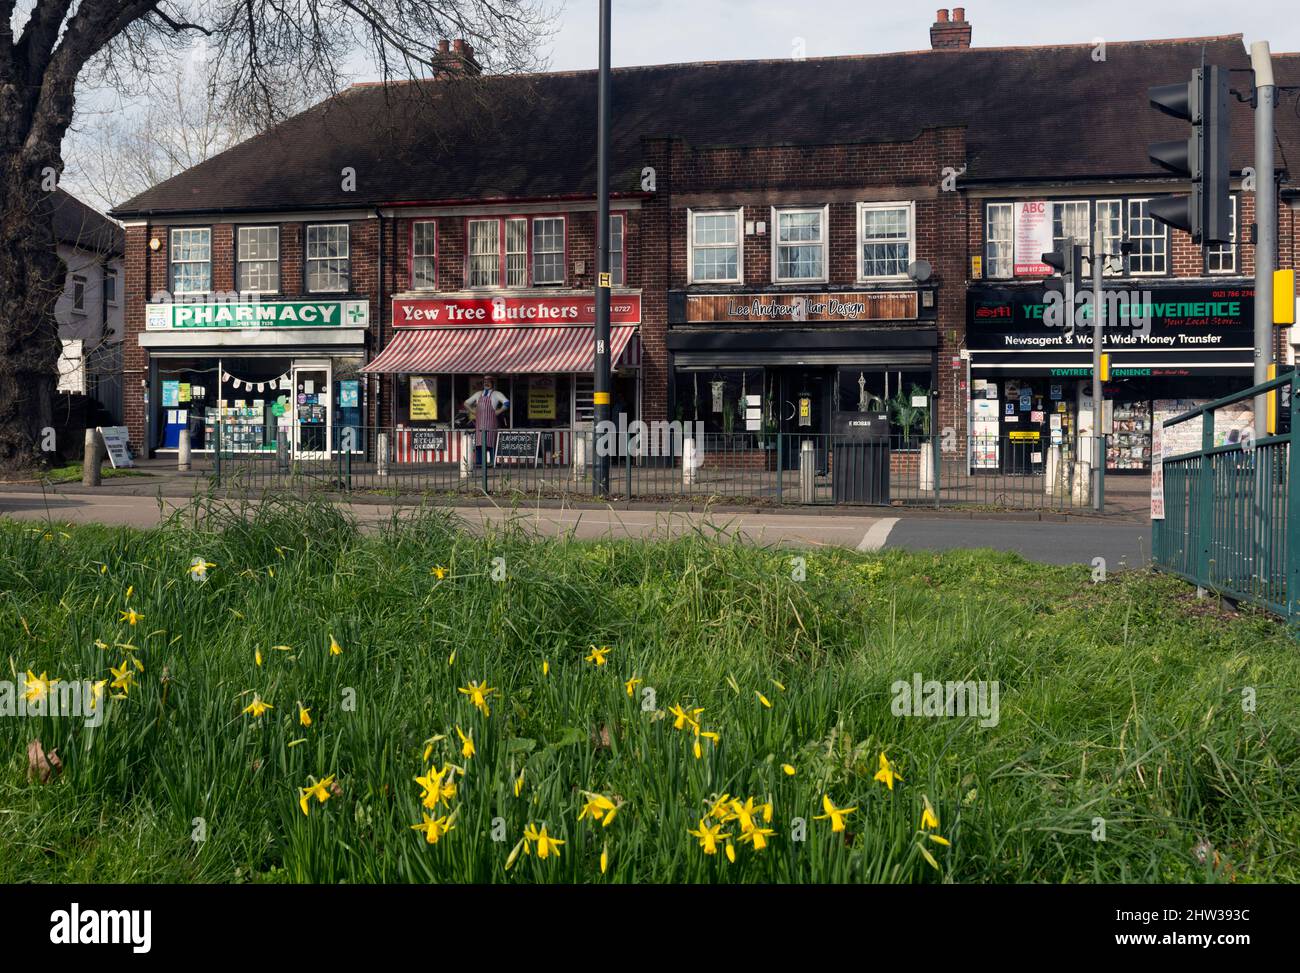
{"x": 1098, "y": 323}
{"x": 1265, "y": 222}
{"x": 601, "y": 388}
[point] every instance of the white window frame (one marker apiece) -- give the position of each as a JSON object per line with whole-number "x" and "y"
{"x": 1222, "y": 250}
{"x": 432, "y": 257}
{"x": 533, "y": 252}
{"x": 618, "y": 277}
{"x": 525, "y": 253}
{"x": 1134, "y": 238}
{"x": 346, "y": 257}
{"x": 990, "y": 261}
{"x": 1110, "y": 240}
{"x": 240, "y": 261}
{"x": 863, "y": 209}
{"x": 110, "y": 273}
{"x": 823, "y": 212}
{"x": 739, "y": 216}
{"x": 172, "y": 261}
{"x": 78, "y": 285}
{"x": 494, "y": 253}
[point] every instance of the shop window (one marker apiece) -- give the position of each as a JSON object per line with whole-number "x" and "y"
{"x": 517, "y": 253}
{"x": 484, "y": 253}
{"x": 1221, "y": 258}
{"x": 191, "y": 260}
{"x": 327, "y": 258}
{"x": 617, "y": 266}
{"x": 110, "y": 288}
{"x": 1149, "y": 239}
{"x": 885, "y": 239}
{"x": 541, "y": 401}
{"x": 892, "y": 391}
{"x": 79, "y": 294}
{"x": 548, "y": 250}
{"x": 799, "y": 245}
{"x": 428, "y": 400}
{"x": 714, "y": 244}
{"x": 258, "y": 258}
{"x": 718, "y": 398}
{"x": 999, "y": 242}
{"x": 424, "y": 253}
{"x": 186, "y": 394}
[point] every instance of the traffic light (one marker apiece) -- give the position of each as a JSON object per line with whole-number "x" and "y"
{"x": 1205, "y": 214}
{"x": 1068, "y": 262}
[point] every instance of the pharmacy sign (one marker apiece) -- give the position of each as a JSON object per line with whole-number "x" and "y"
{"x": 257, "y": 314}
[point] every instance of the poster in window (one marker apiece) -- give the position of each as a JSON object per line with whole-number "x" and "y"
{"x": 1033, "y": 237}
{"x": 348, "y": 394}
{"x": 424, "y": 398}
{"x": 171, "y": 394}
{"x": 541, "y": 397}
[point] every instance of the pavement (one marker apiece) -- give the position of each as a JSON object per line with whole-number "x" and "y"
{"x": 1124, "y": 541}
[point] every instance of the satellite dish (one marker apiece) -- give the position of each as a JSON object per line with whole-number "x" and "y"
{"x": 919, "y": 271}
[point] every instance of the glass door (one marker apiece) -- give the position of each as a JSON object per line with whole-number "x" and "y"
{"x": 805, "y": 414}
{"x": 311, "y": 402}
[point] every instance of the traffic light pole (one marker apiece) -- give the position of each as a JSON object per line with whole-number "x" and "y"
{"x": 1098, "y": 322}
{"x": 1265, "y": 223}
{"x": 601, "y": 385}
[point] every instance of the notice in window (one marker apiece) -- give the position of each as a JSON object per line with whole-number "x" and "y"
{"x": 1033, "y": 237}
{"x": 541, "y": 397}
{"x": 424, "y": 398}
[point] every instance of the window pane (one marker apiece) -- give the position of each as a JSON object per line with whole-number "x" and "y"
{"x": 423, "y": 243}
{"x": 796, "y": 227}
{"x": 715, "y": 228}
{"x": 885, "y": 223}
{"x": 516, "y": 253}
{"x": 998, "y": 244}
{"x": 422, "y": 239}
{"x": 548, "y": 251}
{"x": 716, "y": 263}
{"x": 802, "y": 262}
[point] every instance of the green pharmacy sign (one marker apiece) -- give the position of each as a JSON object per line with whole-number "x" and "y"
{"x": 258, "y": 314}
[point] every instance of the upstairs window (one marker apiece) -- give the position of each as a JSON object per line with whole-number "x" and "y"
{"x": 1221, "y": 258}
{"x": 328, "y": 262}
{"x": 885, "y": 239}
{"x": 799, "y": 245}
{"x": 714, "y": 244}
{"x": 517, "y": 253}
{"x": 484, "y": 253}
{"x": 617, "y": 266}
{"x": 191, "y": 260}
{"x": 110, "y": 288}
{"x": 424, "y": 253}
{"x": 999, "y": 242}
{"x": 1149, "y": 240}
{"x": 548, "y": 250}
{"x": 258, "y": 258}
{"x": 79, "y": 294}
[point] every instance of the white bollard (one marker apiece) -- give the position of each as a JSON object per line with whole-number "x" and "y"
{"x": 926, "y": 470}
{"x": 381, "y": 454}
{"x": 692, "y": 459}
{"x": 807, "y": 472}
{"x": 1054, "y": 471}
{"x": 579, "y": 455}
{"x": 466, "y": 454}
{"x": 93, "y": 460}
{"x": 183, "y": 451}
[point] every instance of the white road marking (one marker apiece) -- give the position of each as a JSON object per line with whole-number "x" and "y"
{"x": 877, "y": 534}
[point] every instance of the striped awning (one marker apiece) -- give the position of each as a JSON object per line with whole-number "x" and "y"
{"x": 533, "y": 350}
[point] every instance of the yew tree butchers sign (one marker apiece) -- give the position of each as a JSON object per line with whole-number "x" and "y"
{"x": 762, "y": 308}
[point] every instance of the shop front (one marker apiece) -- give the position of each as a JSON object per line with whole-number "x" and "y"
{"x": 256, "y": 376}
{"x": 537, "y": 353}
{"x": 1171, "y": 348}
{"x": 745, "y": 367}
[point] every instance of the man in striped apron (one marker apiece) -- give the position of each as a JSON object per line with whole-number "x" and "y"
{"x": 486, "y": 406}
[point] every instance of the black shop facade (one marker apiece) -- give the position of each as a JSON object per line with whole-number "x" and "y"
{"x": 748, "y": 365}
{"x": 1171, "y": 348}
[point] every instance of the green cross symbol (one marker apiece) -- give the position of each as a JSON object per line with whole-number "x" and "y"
{"x": 356, "y": 313}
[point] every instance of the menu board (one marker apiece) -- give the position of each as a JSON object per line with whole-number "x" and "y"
{"x": 424, "y": 398}
{"x": 541, "y": 397}
{"x": 518, "y": 444}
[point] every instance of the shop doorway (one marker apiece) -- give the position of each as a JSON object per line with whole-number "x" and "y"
{"x": 805, "y": 413}
{"x": 312, "y": 421}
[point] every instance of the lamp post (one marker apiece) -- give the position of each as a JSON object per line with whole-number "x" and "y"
{"x": 601, "y": 385}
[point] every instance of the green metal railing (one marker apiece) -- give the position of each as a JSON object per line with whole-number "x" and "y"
{"x": 1232, "y": 518}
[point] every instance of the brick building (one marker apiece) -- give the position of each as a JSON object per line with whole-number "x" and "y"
{"x": 794, "y": 242}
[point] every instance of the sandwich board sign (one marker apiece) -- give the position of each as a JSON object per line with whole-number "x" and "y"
{"x": 115, "y": 439}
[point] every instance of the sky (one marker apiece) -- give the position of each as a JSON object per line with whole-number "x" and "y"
{"x": 667, "y": 31}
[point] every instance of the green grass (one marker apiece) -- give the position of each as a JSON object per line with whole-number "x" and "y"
{"x": 72, "y": 473}
{"x": 1119, "y": 701}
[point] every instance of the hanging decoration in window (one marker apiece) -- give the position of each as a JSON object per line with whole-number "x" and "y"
{"x": 242, "y": 383}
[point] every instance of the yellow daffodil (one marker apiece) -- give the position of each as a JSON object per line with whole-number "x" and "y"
{"x": 709, "y": 835}
{"x": 478, "y": 694}
{"x": 744, "y": 813}
{"x": 546, "y": 667}
{"x": 763, "y": 699}
{"x": 546, "y": 845}
{"x": 319, "y": 789}
{"x": 433, "y": 828}
{"x": 683, "y": 716}
{"x": 438, "y": 572}
{"x": 123, "y": 678}
{"x": 257, "y": 707}
{"x": 835, "y": 815}
{"x": 131, "y": 616}
{"x": 731, "y": 852}
{"x": 788, "y": 769}
{"x": 97, "y": 692}
{"x": 101, "y": 644}
{"x": 604, "y": 858}
{"x": 451, "y": 659}
{"x": 929, "y": 820}
{"x": 886, "y": 774}
{"x": 438, "y": 785}
{"x": 598, "y": 808}
{"x": 466, "y": 743}
{"x": 519, "y": 782}
{"x": 130, "y": 590}
{"x": 304, "y": 715}
{"x": 38, "y": 687}
{"x": 756, "y": 836}
{"x": 257, "y": 656}
{"x": 721, "y": 808}
{"x": 335, "y": 648}
{"x": 630, "y": 686}
{"x": 598, "y": 654}
{"x": 199, "y": 569}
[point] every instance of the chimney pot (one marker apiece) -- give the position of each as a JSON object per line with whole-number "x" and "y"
{"x": 444, "y": 46}
{"x": 950, "y": 34}
{"x": 959, "y": 15}
{"x": 941, "y": 15}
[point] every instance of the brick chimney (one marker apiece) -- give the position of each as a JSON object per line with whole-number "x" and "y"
{"x": 455, "y": 59}
{"x": 951, "y": 34}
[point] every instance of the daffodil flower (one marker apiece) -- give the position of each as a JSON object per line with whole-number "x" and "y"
{"x": 709, "y": 835}
{"x": 257, "y": 656}
{"x": 335, "y": 648}
{"x": 721, "y": 809}
{"x": 546, "y": 845}
{"x": 131, "y": 616}
{"x": 604, "y": 858}
{"x": 756, "y": 836}
{"x": 438, "y": 785}
{"x": 886, "y": 774}
{"x": 630, "y": 686}
{"x": 123, "y": 678}
{"x": 546, "y": 667}
{"x": 438, "y": 572}
{"x": 319, "y": 789}
{"x": 744, "y": 813}
{"x": 598, "y": 808}
{"x": 788, "y": 769}
{"x": 466, "y": 743}
{"x": 598, "y": 654}
{"x": 304, "y": 715}
{"x": 257, "y": 707}
{"x": 683, "y": 717}
{"x": 519, "y": 782}
{"x": 478, "y": 694}
{"x": 763, "y": 699}
{"x": 929, "y": 820}
{"x": 433, "y": 828}
{"x": 37, "y": 687}
{"x": 835, "y": 815}
{"x": 451, "y": 659}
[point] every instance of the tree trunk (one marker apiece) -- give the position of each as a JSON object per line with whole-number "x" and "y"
{"x": 32, "y": 277}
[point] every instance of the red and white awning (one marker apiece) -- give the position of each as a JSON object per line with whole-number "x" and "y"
{"x": 446, "y": 351}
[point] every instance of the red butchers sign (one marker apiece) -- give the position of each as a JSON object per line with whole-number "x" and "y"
{"x": 432, "y": 312}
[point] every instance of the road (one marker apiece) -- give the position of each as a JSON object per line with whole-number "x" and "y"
{"x": 1120, "y": 543}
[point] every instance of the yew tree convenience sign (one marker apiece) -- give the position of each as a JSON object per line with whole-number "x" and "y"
{"x": 258, "y": 314}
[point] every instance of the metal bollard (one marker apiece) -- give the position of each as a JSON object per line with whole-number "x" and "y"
{"x": 93, "y": 460}
{"x": 183, "y": 451}
{"x": 807, "y": 472}
{"x": 691, "y": 457}
{"x": 1052, "y": 478}
{"x": 381, "y": 454}
{"x": 579, "y": 455}
{"x": 466, "y": 454}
